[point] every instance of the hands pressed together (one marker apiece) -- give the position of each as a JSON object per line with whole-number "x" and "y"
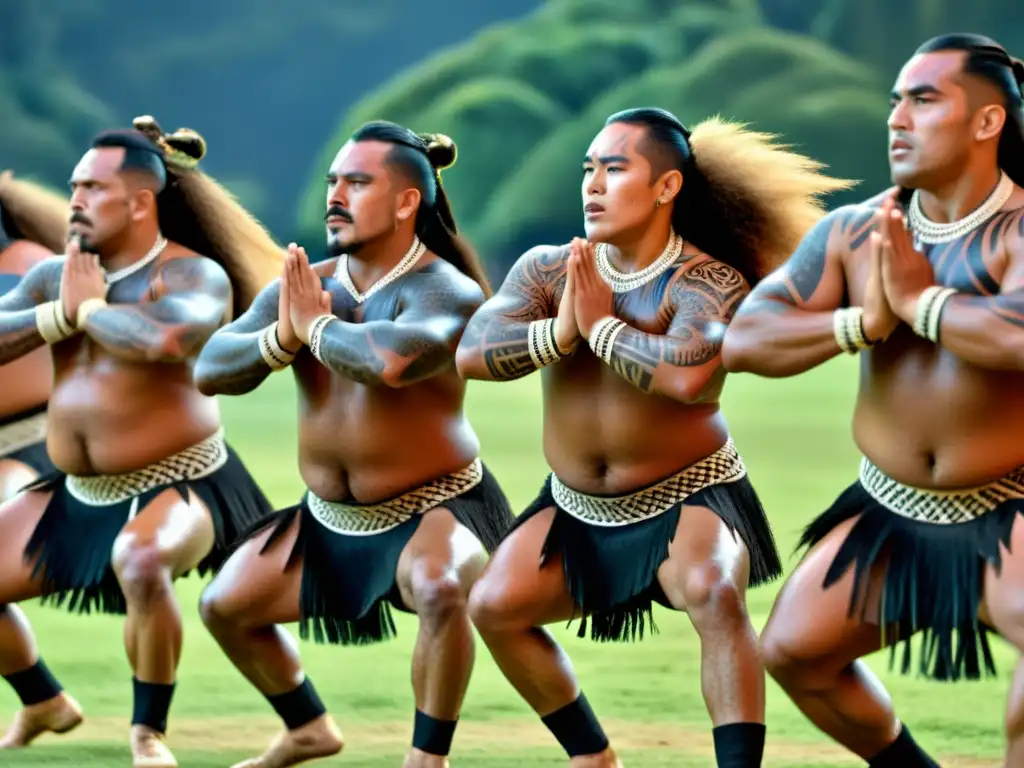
{"x": 899, "y": 274}
{"x": 586, "y": 299}
{"x": 302, "y": 300}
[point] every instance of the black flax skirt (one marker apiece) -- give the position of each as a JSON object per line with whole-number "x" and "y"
{"x": 349, "y": 552}
{"x": 935, "y": 548}
{"x": 612, "y": 547}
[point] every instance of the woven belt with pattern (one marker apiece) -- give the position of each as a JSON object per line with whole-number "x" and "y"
{"x": 22, "y": 434}
{"x": 371, "y": 519}
{"x": 940, "y": 507}
{"x": 193, "y": 463}
{"x": 722, "y": 466}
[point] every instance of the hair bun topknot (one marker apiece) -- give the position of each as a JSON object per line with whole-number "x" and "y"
{"x": 183, "y": 149}
{"x": 441, "y": 150}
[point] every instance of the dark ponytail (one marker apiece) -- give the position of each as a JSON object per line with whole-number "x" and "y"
{"x": 423, "y": 157}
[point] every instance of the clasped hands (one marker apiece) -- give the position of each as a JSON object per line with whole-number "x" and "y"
{"x": 586, "y": 297}
{"x": 302, "y": 300}
{"x": 898, "y": 274}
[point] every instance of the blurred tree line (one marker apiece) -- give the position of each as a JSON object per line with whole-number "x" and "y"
{"x": 277, "y": 88}
{"x": 523, "y": 99}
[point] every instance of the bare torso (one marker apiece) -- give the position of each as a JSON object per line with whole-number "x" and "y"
{"x": 923, "y": 415}
{"x": 370, "y": 443}
{"x": 109, "y": 415}
{"x": 24, "y": 383}
{"x": 602, "y": 435}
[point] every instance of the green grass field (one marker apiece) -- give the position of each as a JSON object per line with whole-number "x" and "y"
{"x": 795, "y": 438}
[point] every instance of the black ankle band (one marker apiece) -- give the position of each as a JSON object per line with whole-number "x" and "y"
{"x": 35, "y": 684}
{"x": 433, "y": 736}
{"x": 902, "y": 753}
{"x": 576, "y": 728}
{"x": 739, "y": 745}
{"x": 298, "y": 707}
{"x": 152, "y": 704}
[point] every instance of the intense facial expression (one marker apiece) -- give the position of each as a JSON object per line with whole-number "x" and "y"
{"x": 618, "y": 194}
{"x": 931, "y": 125}
{"x": 102, "y": 202}
{"x": 365, "y": 200}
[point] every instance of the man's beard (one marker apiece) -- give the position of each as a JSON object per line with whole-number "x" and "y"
{"x": 335, "y": 246}
{"x": 85, "y": 245}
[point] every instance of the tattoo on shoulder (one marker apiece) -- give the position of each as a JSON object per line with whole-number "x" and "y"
{"x": 537, "y": 279}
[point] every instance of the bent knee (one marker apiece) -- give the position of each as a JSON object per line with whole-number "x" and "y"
{"x": 785, "y": 659}
{"x": 711, "y": 596}
{"x": 439, "y": 598}
{"x": 140, "y": 568}
{"x": 215, "y": 609}
{"x": 487, "y": 605}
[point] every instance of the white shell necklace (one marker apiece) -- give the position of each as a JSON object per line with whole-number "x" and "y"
{"x": 131, "y": 269}
{"x": 928, "y": 232}
{"x": 416, "y": 250}
{"x": 621, "y": 282}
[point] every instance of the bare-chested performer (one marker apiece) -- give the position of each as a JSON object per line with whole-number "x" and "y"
{"x": 399, "y": 508}
{"x": 922, "y": 541}
{"x": 33, "y": 226}
{"x": 648, "y": 499}
{"x": 146, "y": 488}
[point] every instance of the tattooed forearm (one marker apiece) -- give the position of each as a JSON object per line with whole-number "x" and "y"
{"x": 384, "y": 353}
{"x": 986, "y": 331}
{"x": 681, "y": 363}
{"x": 19, "y": 334}
{"x": 231, "y": 362}
{"x": 495, "y": 346}
{"x": 193, "y": 299}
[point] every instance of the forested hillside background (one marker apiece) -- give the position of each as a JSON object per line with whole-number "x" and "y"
{"x": 521, "y": 86}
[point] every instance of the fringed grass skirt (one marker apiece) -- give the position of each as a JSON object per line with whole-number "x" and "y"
{"x": 935, "y": 547}
{"x": 75, "y": 536}
{"x": 349, "y": 552}
{"x": 23, "y": 439}
{"x": 612, "y": 547}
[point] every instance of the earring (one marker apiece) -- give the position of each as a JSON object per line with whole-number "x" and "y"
{"x": 657, "y": 203}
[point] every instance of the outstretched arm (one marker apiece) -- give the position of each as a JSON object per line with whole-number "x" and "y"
{"x": 681, "y": 363}
{"x": 193, "y": 297}
{"x": 238, "y": 357}
{"x": 496, "y": 345}
{"x": 786, "y": 325}
{"x": 19, "y": 327}
{"x": 418, "y": 344}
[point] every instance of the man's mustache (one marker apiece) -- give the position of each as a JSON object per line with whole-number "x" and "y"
{"x": 337, "y": 210}
{"x": 79, "y": 218}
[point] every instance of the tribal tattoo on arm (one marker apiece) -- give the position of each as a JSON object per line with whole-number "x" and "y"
{"x": 786, "y": 326}
{"x": 985, "y": 330}
{"x": 19, "y": 330}
{"x": 418, "y": 344}
{"x": 235, "y": 359}
{"x": 681, "y": 363}
{"x": 496, "y": 345}
{"x": 195, "y": 297}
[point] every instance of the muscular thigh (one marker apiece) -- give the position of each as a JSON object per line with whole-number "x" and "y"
{"x": 256, "y": 588}
{"x": 441, "y": 549}
{"x": 810, "y": 623}
{"x": 18, "y": 519}
{"x": 515, "y": 588}
{"x": 13, "y": 477}
{"x": 1002, "y": 604}
{"x": 703, "y": 554}
{"x": 178, "y": 532}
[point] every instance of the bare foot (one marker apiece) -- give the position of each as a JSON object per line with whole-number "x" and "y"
{"x": 607, "y": 759}
{"x": 149, "y": 750}
{"x": 419, "y": 759}
{"x": 319, "y": 738}
{"x": 59, "y": 715}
